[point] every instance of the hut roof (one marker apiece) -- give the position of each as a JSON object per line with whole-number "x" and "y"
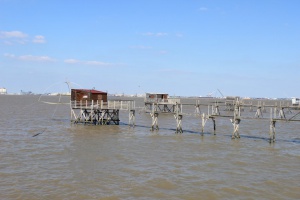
{"x": 92, "y": 91}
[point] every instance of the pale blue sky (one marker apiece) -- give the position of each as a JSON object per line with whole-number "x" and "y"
{"x": 181, "y": 47}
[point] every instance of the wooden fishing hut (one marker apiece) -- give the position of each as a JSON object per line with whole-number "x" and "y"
{"x": 156, "y": 97}
{"x": 160, "y": 102}
{"x": 230, "y": 102}
{"x": 88, "y": 95}
{"x": 91, "y": 106}
{"x": 156, "y": 103}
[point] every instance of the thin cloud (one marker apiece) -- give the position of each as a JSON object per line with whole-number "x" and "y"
{"x": 30, "y": 58}
{"x": 8, "y": 55}
{"x": 180, "y": 35}
{"x": 140, "y": 47}
{"x": 203, "y": 9}
{"x": 93, "y": 63}
{"x": 12, "y": 34}
{"x": 174, "y": 71}
{"x": 162, "y": 52}
{"x": 155, "y": 34}
{"x": 13, "y": 37}
{"x": 18, "y": 37}
{"x": 71, "y": 61}
{"x": 97, "y": 63}
{"x": 39, "y": 39}
{"x": 36, "y": 58}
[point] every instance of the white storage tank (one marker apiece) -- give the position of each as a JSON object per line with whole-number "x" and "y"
{"x": 295, "y": 101}
{"x": 3, "y": 91}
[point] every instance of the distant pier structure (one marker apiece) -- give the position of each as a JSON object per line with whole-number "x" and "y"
{"x": 156, "y": 103}
{"x": 160, "y": 102}
{"x": 230, "y": 102}
{"x": 90, "y": 106}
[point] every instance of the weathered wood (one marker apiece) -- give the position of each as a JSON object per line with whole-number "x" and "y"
{"x": 154, "y": 116}
{"x": 132, "y": 118}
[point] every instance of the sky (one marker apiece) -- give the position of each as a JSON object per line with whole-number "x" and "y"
{"x": 247, "y": 48}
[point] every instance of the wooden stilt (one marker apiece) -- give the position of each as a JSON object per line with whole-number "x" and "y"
{"x": 132, "y": 118}
{"x": 258, "y": 113}
{"x": 215, "y": 109}
{"x": 281, "y": 113}
{"x": 214, "y": 123}
{"x": 154, "y": 117}
{"x": 272, "y": 130}
{"x": 272, "y": 126}
{"x": 178, "y": 122}
{"x": 235, "y": 122}
{"x": 204, "y": 119}
{"x": 197, "y": 109}
{"x": 178, "y": 118}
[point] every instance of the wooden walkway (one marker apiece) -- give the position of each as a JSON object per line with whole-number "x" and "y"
{"x": 108, "y": 113}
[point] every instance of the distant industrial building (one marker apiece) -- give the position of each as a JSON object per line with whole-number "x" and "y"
{"x": 295, "y": 101}
{"x": 3, "y": 91}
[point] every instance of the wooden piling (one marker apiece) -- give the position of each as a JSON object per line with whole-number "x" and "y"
{"x": 178, "y": 118}
{"x": 132, "y": 118}
{"x": 154, "y": 117}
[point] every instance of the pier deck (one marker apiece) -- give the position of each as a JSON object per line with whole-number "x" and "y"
{"x": 99, "y": 112}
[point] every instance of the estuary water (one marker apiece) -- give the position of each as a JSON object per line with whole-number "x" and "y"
{"x": 44, "y": 156}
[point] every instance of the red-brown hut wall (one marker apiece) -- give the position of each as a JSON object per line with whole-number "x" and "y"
{"x": 88, "y": 95}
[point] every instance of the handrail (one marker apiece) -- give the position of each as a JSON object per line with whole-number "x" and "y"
{"x": 111, "y": 104}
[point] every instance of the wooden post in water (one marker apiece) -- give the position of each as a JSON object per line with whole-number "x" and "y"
{"x": 251, "y": 109}
{"x": 132, "y": 117}
{"x": 215, "y": 110}
{"x": 272, "y": 130}
{"x": 154, "y": 116}
{"x": 236, "y": 121}
{"x": 197, "y": 108}
{"x": 204, "y": 119}
{"x": 131, "y": 109}
{"x": 178, "y": 118}
{"x": 272, "y": 127}
{"x": 214, "y": 123}
{"x": 258, "y": 112}
{"x": 263, "y": 107}
{"x": 71, "y": 106}
{"x": 281, "y": 113}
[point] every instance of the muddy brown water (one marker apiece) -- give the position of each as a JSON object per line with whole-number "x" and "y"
{"x": 67, "y": 161}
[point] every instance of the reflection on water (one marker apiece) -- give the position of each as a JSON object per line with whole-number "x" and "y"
{"x": 66, "y": 161}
